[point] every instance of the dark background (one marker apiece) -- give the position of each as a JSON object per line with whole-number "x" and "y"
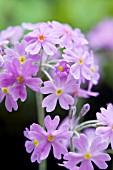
{"x": 84, "y": 14}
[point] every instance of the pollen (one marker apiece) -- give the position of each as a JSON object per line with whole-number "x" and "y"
{"x": 60, "y": 68}
{"x": 41, "y": 38}
{"x": 59, "y": 92}
{"x": 20, "y": 79}
{"x": 35, "y": 142}
{"x": 5, "y": 90}
{"x": 80, "y": 61}
{"x": 87, "y": 156}
{"x": 50, "y": 138}
{"x": 22, "y": 59}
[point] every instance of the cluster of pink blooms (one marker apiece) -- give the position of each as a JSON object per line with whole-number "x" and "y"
{"x": 55, "y": 60}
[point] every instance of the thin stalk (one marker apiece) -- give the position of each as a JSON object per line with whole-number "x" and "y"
{"x": 41, "y": 116}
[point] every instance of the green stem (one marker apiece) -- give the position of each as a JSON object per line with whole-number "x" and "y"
{"x": 41, "y": 116}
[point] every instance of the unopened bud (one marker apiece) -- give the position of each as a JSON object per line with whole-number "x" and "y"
{"x": 72, "y": 112}
{"x": 84, "y": 110}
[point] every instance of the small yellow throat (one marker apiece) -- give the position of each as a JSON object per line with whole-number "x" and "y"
{"x": 60, "y": 68}
{"x": 80, "y": 61}
{"x": 5, "y": 90}
{"x": 87, "y": 156}
{"x": 35, "y": 142}
{"x": 22, "y": 59}
{"x": 59, "y": 92}
{"x": 20, "y": 79}
{"x": 50, "y": 138}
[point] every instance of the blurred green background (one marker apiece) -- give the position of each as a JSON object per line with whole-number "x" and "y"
{"x": 84, "y": 14}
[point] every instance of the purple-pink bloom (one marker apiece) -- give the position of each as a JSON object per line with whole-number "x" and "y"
{"x": 10, "y": 103}
{"x": 11, "y": 35}
{"x": 81, "y": 62}
{"x": 103, "y": 30}
{"x": 40, "y": 140}
{"x": 87, "y": 153}
{"x": 19, "y": 52}
{"x": 60, "y": 89}
{"x": 106, "y": 118}
{"x": 44, "y": 38}
{"x": 69, "y": 37}
{"x": 19, "y": 76}
{"x": 62, "y": 68}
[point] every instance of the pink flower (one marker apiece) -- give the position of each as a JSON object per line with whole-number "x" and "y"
{"x": 104, "y": 31}
{"x": 41, "y": 141}
{"x": 86, "y": 154}
{"x": 44, "y": 38}
{"x": 10, "y": 103}
{"x": 81, "y": 62}
{"x": 61, "y": 90}
{"x": 106, "y": 118}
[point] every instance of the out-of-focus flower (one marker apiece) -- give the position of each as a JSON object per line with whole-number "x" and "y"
{"x": 11, "y": 35}
{"x": 101, "y": 36}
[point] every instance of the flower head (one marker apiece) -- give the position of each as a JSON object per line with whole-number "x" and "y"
{"x": 17, "y": 76}
{"x": 41, "y": 141}
{"x": 44, "y": 38}
{"x": 59, "y": 91}
{"x": 106, "y": 118}
{"x": 87, "y": 153}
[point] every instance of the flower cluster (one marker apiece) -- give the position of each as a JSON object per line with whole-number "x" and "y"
{"x": 55, "y": 60}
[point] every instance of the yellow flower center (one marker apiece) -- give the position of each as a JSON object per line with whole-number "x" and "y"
{"x": 59, "y": 92}
{"x": 87, "y": 156}
{"x": 50, "y": 138}
{"x": 80, "y": 61}
{"x": 41, "y": 38}
{"x": 60, "y": 68}
{"x": 22, "y": 59}
{"x": 5, "y": 90}
{"x": 35, "y": 142}
{"x": 92, "y": 69}
{"x": 20, "y": 79}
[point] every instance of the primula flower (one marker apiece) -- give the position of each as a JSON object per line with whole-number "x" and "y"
{"x": 10, "y": 103}
{"x": 11, "y": 35}
{"x": 19, "y": 76}
{"x": 103, "y": 30}
{"x": 60, "y": 89}
{"x": 19, "y": 52}
{"x": 40, "y": 141}
{"x": 44, "y": 38}
{"x": 62, "y": 68}
{"x": 106, "y": 118}
{"x": 87, "y": 153}
{"x": 81, "y": 62}
{"x": 68, "y": 36}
